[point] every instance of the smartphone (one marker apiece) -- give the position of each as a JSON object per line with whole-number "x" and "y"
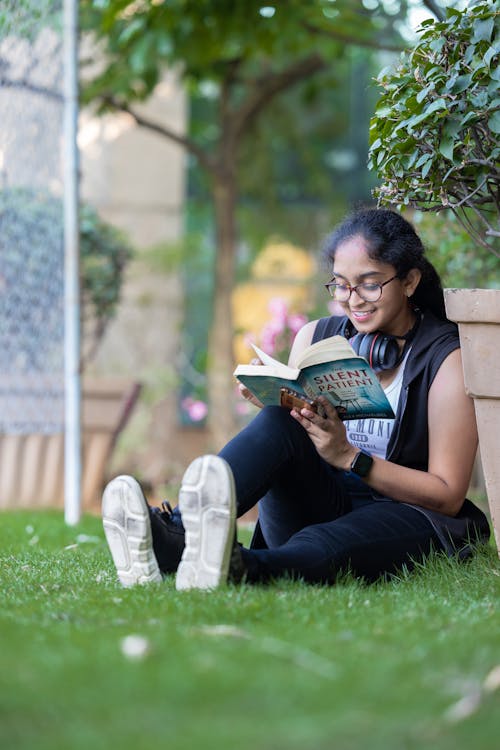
{"x": 290, "y": 399}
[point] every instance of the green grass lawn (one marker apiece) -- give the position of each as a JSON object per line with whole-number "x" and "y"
{"x": 392, "y": 666}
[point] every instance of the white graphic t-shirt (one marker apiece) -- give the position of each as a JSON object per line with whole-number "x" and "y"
{"x": 372, "y": 435}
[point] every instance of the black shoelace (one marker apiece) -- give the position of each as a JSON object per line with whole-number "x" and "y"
{"x": 167, "y": 509}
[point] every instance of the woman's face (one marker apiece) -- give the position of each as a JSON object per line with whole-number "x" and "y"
{"x": 392, "y": 313}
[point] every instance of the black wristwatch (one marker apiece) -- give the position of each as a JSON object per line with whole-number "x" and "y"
{"x": 362, "y": 464}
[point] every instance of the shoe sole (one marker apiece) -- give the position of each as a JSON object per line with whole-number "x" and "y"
{"x": 208, "y": 510}
{"x": 125, "y": 518}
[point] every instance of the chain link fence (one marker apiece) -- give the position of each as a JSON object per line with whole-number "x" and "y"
{"x": 31, "y": 218}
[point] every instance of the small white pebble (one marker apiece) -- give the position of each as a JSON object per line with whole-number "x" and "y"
{"x": 492, "y": 681}
{"x": 135, "y": 647}
{"x": 463, "y": 708}
{"x": 230, "y": 631}
{"x": 86, "y": 539}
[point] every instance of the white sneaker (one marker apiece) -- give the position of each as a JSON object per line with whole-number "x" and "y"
{"x": 208, "y": 509}
{"x": 125, "y": 517}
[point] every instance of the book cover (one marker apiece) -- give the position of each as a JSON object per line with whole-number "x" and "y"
{"x": 349, "y": 383}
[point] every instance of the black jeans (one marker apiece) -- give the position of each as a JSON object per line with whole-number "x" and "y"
{"x": 315, "y": 520}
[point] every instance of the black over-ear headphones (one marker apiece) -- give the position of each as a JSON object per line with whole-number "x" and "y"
{"x": 381, "y": 351}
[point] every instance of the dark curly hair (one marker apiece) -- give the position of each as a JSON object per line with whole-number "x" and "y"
{"x": 392, "y": 239}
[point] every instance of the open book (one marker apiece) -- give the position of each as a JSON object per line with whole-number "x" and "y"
{"x": 330, "y": 368}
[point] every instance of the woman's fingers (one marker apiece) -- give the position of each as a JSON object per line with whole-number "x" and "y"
{"x": 307, "y": 418}
{"x": 328, "y": 408}
{"x": 248, "y": 396}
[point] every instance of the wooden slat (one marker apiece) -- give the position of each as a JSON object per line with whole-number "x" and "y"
{"x": 51, "y": 491}
{"x": 32, "y": 466}
{"x": 11, "y": 467}
{"x": 32, "y": 470}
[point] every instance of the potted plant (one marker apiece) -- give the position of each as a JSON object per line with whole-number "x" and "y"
{"x": 434, "y": 142}
{"x": 31, "y": 332}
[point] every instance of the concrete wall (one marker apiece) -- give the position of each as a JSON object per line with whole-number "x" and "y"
{"x": 136, "y": 180}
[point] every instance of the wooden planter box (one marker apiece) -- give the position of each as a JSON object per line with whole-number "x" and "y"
{"x": 477, "y": 312}
{"x": 32, "y": 466}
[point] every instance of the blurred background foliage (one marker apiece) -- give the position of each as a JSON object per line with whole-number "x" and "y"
{"x": 302, "y": 163}
{"x": 458, "y": 260}
{"x": 30, "y": 221}
{"x": 279, "y": 113}
{"x": 105, "y": 252}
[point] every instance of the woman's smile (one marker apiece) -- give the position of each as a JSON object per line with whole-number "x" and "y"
{"x": 362, "y": 315}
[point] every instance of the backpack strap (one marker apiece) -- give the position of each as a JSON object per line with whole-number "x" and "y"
{"x": 330, "y": 326}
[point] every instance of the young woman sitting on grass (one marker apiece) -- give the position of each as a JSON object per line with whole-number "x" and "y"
{"x": 327, "y": 504}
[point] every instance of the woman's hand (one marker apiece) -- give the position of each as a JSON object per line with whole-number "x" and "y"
{"x": 248, "y": 395}
{"x": 328, "y": 435}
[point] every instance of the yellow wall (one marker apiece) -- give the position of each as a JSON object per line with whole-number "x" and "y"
{"x": 281, "y": 270}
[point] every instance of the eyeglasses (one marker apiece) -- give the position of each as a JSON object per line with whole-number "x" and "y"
{"x": 369, "y": 291}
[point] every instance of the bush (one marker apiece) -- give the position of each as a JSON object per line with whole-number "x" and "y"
{"x": 32, "y": 252}
{"x": 434, "y": 136}
{"x": 104, "y": 254}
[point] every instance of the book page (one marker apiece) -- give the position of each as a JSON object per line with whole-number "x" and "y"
{"x": 326, "y": 350}
{"x": 266, "y": 359}
{"x": 275, "y": 370}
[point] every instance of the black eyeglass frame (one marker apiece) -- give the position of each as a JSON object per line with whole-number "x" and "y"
{"x": 330, "y": 287}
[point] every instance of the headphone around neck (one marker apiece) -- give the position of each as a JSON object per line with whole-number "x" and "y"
{"x": 381, "y": 350}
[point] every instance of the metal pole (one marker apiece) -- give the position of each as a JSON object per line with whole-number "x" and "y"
{"x": 72, "y": 432}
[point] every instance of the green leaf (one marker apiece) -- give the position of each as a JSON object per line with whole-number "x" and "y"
{"x": 140, "y": 56}
{"x": 424, "y": 93}
{"x": 494, "y": 122}
{"x": 437, "y": 44}
{"x": 424, "y": 159}
{"x": 426, "y": 168}
{"x": 452, "y": 127}
{"x": 461, "y": 83}
{"x": 446, "y": 148}
{"x": 468, "y": 117}
{"x": 435, "y": 72}
{"x": 489, "y": 55}
{"x": 134, "y": 28}
{"x": 383, "y": 111}
{"x": 435, "y": 106}
{"x": 483, "y": 30}
{"x": 411, "y": 122}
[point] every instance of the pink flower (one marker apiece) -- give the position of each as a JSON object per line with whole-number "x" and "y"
{"x": 295, "y": 322}
{"x": 278, "y": 308}
{"x": 334, "y": 307}
{"x": 268, "y": 339}
{"x": 196, "y": 409}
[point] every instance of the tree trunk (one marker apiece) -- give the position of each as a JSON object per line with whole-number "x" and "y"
{"x": 221, "y": 422}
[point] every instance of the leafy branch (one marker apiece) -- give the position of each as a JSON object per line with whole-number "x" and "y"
{"x": 434, "y": 136}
